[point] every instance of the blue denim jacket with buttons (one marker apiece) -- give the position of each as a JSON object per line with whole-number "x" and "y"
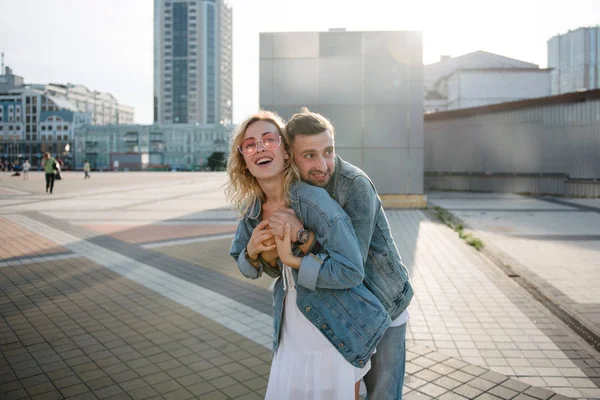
{"x": 329, "y": 284}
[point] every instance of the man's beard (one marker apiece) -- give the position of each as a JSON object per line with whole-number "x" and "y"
{"x": 316, "y": 181}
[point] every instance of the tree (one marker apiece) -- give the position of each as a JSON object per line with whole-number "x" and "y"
{"x": 216, "y": 161}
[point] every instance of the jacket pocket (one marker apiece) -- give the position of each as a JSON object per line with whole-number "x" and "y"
{"x": 386, "y": 278}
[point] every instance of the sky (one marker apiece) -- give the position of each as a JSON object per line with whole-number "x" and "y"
{"x": 107, "y": 45}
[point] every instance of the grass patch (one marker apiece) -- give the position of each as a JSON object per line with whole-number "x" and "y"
{"x": 449, "y": 219}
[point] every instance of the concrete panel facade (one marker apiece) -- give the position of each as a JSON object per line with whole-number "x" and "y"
{"x": 369, "y": 84}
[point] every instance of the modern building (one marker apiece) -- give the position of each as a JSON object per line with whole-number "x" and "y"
{"x": 103, "y": 107}
{"x": 174, "y": 146}
{"x": 370, "y": 85}
{"x": 9, "y": 81}
{"x": 548, "y": 145}
{"x": 193, "y": 62}
{"x": 481, "y": 78}
{"x": 575, "y": 60}
{"x": 35, "y": 118}
{"x": 33, "y": 122}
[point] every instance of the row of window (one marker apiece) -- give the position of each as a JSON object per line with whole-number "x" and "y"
{"x": 11, "y": 128}
{"x": 11, "y": 109}
{"x": 17, "y": 118}
{"x": 34, "y": 137}
{"x": 191, "y": 5}
{"x": 57, "y": 127}
{"x": 58, "y": 137}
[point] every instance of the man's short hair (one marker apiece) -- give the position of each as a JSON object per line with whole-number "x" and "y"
{"x": 307, "y": 123}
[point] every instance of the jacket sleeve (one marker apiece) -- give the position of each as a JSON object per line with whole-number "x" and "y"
{"x": 341, "y": 265}
{"x": 240, "y": 241}
{"x": 362, "y": 206}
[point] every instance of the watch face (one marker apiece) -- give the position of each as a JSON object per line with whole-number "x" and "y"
{"x": 303, "y": 235}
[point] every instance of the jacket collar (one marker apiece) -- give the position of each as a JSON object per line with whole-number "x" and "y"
{"x": 331, "y": 185}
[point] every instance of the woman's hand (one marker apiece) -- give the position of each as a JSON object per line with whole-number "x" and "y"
{"x": 284, "y": 249}
{"x": 256, "y": 245}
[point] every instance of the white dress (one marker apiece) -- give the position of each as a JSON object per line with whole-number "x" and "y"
{"x": 306, "y": 366}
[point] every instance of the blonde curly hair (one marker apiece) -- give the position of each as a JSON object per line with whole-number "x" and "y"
{"x": 243, "y": 189}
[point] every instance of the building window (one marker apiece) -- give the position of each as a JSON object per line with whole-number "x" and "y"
{"x": 65, "y": 127}
{"x": 59, "y": 128}
{"x": 43, "y": 137}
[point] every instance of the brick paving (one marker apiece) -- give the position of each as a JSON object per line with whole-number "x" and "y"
{"x": 553, "y": 244}
{"x": 17, "y": 242}
{"x": 119, "y": 317}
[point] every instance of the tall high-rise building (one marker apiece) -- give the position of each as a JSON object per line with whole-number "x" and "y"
{"x": 575, "y": 59}
{"x": 192, "y": 61}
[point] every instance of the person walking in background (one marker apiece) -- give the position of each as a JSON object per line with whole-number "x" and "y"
{"x": 26, "y": 166}
{"x": 86, "y": 169}
{"x": 49, "y": 165}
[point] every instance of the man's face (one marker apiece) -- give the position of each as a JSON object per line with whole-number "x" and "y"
{"x": 314, "y": 155}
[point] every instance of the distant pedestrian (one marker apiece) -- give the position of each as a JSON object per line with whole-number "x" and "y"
{"x": 26, "y": 166}
{"x": 86, "y": 169}
{"x": 49, "y": 165}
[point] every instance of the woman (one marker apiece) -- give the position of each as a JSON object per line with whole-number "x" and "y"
{"x": 326, "y": 323}
{"x": 49, "y": 166}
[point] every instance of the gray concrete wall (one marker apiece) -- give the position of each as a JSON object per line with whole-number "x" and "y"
{"x": 369, "y": 84}
{"x": 551, "y": 148}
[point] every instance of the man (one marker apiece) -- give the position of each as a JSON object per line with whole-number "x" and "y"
{"x": 312, "y": 137}
{"x": 86, "y": 169}
{"x": 49, "y": 165}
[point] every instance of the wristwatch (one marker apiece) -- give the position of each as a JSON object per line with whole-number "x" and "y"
{"x": 303, "y": 236}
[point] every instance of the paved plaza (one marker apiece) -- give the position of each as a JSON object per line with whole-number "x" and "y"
{"x": 121, "y": 286}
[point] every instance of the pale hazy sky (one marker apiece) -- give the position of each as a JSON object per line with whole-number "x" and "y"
{"x": 107, "y": 45}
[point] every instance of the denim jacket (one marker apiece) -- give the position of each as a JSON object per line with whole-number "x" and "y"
{"x": 329, "y": 284}
{"x": 385, "y": 275}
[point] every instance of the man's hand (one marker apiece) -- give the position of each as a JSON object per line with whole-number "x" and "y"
{"x": 256, "y": 245}
{"x": 284, "y": 249}
{"x": 280, "y": 218}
